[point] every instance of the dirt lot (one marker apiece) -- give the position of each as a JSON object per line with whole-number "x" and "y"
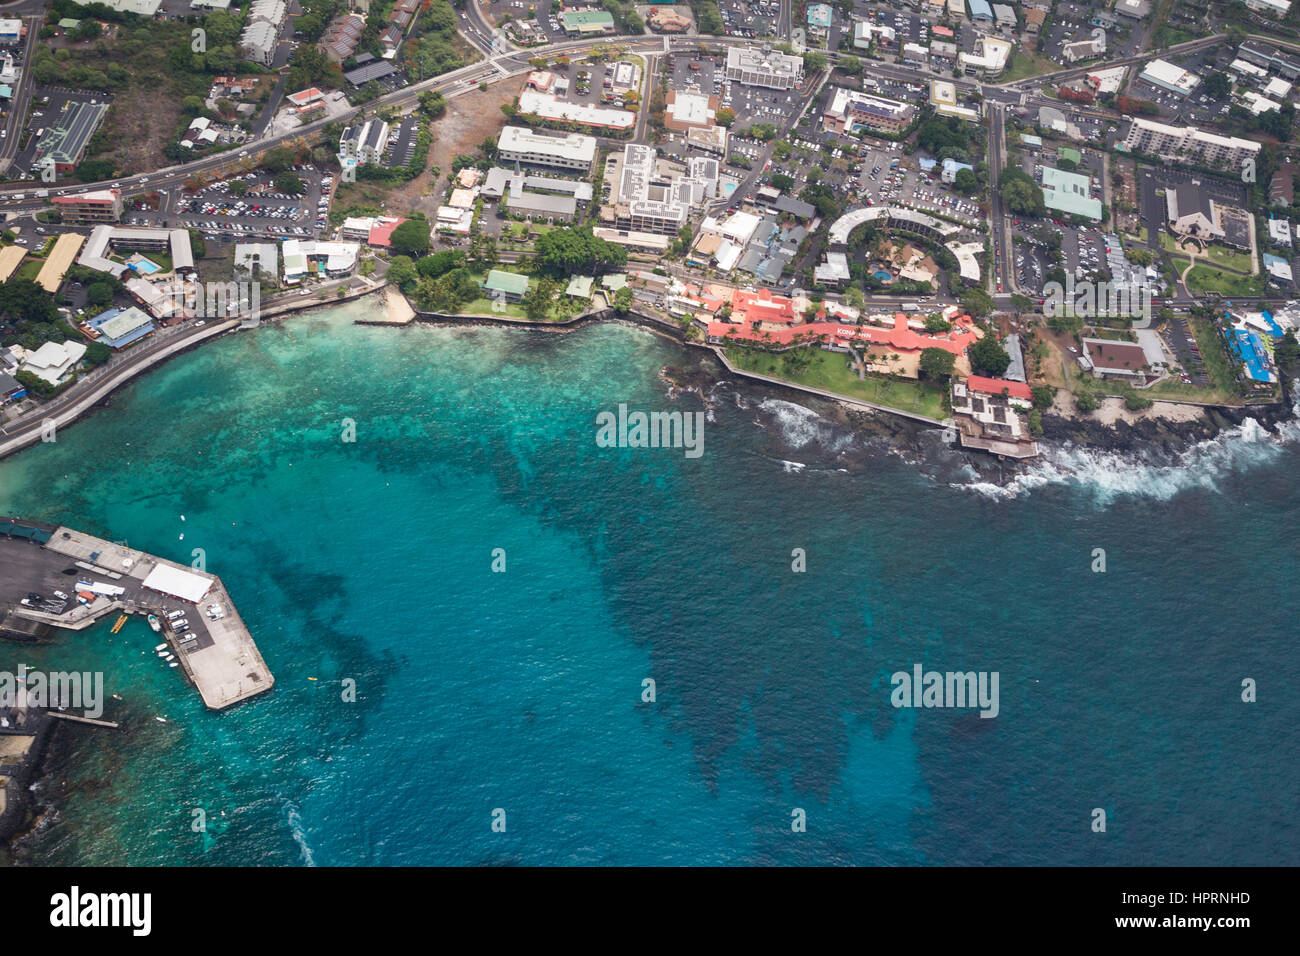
{"x": 469, "y": 120}
{"x": 139, "y": 124}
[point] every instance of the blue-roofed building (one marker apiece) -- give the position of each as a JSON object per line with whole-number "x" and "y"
{"x": 819, "y": 17}
{"x": 927, "y": 165}
{"x": 980, "y": 11}
{"x": 118, "y": 328}
{"x": 950, "y": 169}
{"x": 1278, "y": 268}
{"x": 1276, "y": 330}
{"x": 1248, "y": 348}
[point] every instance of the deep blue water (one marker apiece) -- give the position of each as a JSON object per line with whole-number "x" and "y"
{"x": 522, "y": 690}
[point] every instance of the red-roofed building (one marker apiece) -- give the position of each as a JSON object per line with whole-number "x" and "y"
{"x": 763, "y": 306}
{"x": 839, "y": 335}
{"x": 102, "y": 205}
{"x": 305, "y": 98}
{"x": 381, "y": 233}
{"x": 999, "y": 386}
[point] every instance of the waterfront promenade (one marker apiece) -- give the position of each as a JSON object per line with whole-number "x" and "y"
{"x": 222, "y": 661}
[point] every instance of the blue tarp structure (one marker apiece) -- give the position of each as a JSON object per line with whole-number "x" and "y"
{"x": 1276, "y": 330}
{"x": 1249, "y": 349}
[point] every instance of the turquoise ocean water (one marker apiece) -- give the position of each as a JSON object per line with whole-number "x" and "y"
{"x": 522, "y": 690}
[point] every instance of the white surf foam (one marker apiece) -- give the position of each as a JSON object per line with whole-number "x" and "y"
{"x": 300, "y": 836}
{"x": 802, "y": 426}
{"x": 1110, "y": 475}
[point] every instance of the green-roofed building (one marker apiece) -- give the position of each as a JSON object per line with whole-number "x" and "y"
{"x": 615, "y": 281}
{"x": 69, "y": 24}
{"x": 580, "y": 287}
{"x": 509, "y": 285}
{"x": 579, "y": 23}
{"x": 64, "y": 143}
{"x": 1069, "y": 193}
{"x": 1070, "y": 154}
{"x": 1031, "y": 141}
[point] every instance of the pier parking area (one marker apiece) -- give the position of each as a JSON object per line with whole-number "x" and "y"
{"x": 221, "y": 660}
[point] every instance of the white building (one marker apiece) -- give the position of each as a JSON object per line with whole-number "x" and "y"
{"x": 990, "y": 56}
{"x": 1273, "y": 8}
{"x": 649, "y": 202}
{"x": 767, "y": 68}
{"x": 262, "y": 30}
{"x": 518, "y": 144}
{"x": 1169, "y": 76}
{"x": 54, "y": 361}
{"x": 1179, "y": 142}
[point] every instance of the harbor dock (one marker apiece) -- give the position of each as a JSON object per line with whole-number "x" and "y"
{"x": 217, "y": 654}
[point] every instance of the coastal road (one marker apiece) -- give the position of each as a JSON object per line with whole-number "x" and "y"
{"x": 16, "y": 118}
{"x": 453, "y": 83}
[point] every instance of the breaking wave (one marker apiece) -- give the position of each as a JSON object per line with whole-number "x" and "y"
{"x": 1110, "y": 475}
{"x": 801, "y": 427}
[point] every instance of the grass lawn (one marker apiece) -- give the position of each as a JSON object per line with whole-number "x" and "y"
{"x": 1204, "y": 278}
{"x": 483, "y": 306}
{"x": 1220, "y": 369}
{"x": 1025, "y": 64}
{"x": 830, "y": 370}
{"x": 1229, "y": 258}
{"x": 514, "y": 232}
{"x": 29, "y": 268}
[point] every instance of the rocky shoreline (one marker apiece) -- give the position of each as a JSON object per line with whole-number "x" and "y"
{"x": 1147, "y": 434}
{"x": 19, "y": 774}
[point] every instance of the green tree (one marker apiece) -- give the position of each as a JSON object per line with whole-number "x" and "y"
{"x": 623, "y": 300}
{"x": 725, "y": 116}
{"x": 97, "y": 353}
{"x": 99, "y": 294}
{"x": 402, "y": 273}
{"x": 1086, "y": 400}
{"x": 1044, "y": 395}
{"x": 850, "y": 64}
{"x": 988, "y": 357}
{"x": 977, "y": 302}
{"x": 288, "y": 182}
{"x": 966, "y": 182}
{"x": 1217, "y": 85}
{"x": 937, "y": 364}
{"x": 575, "y": 249}
{"x": 411, "y": 238}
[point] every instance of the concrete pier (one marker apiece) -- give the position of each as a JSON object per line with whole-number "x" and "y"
{"x": 222, "y": 661}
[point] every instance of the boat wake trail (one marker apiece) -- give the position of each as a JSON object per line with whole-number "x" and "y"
{"x": 300, "y": 836}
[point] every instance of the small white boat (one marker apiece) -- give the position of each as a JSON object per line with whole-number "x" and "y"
{"x": 161, "y": 720}
{"x": 154, "y": 625}
{"x": 161, "y": 647}
{"x": 173, "y": 664}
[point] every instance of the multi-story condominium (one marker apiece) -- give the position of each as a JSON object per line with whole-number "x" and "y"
{"x": 851, "y": 110}
{"x": 1188, "y": 142}
{"x": 103, "y": 205}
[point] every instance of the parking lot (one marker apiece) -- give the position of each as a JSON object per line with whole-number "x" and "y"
{"x": 260, "y": 211}
{"x": 47, "y": 105}
{"x": 749, "y": 18}
{"x": 751, "y": 104}
{"x": 1182, "y": 342}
